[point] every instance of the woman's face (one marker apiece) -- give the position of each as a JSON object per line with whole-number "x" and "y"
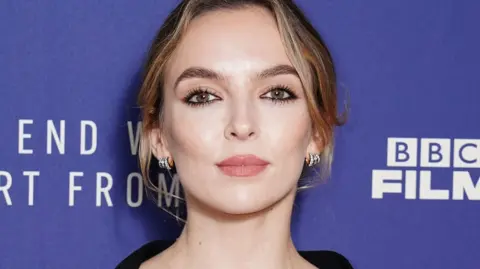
{"x": 230, "y": 90}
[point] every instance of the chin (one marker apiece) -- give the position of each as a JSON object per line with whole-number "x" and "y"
{"x": 233, "y": 206}
{"x": 243, "y": 200}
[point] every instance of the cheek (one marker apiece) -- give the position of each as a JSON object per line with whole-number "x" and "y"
{"x": 287, "y": 130}
{"x": 194, "y": 133}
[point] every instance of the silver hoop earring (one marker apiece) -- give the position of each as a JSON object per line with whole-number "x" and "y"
{"x": 165, "y": 163}
{"x": 313, "y": 159}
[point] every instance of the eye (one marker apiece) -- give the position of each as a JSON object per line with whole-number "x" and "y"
{"x": 198, "y": 97}
{"x": 203, "y": 97}
{"x": 279, "y": 94}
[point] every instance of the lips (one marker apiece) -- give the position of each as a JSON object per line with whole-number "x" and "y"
{"x": 242, "y": 165}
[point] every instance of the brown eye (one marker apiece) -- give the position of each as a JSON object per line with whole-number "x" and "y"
{"x": 203, "y": 97}
{"x": 279, "y": 94}
{"x": 200, "y": 97}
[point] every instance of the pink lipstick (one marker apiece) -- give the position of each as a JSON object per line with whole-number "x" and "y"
{"x": 242, "y": 166}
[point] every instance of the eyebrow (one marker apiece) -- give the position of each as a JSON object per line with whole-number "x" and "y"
{"x": 281, "y": 69}
{"x": 200, "y": 72}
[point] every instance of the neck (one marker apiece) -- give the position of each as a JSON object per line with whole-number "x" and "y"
{"x": 258, "y": 240}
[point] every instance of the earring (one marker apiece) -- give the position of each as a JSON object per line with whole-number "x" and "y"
{"x": 312, "y": 159}
{"x": 165, "y": 163}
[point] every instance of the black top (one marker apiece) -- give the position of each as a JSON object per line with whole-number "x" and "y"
{"x": 324, "y": 259}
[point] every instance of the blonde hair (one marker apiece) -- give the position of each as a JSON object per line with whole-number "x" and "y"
{"x": 306, "y": 51}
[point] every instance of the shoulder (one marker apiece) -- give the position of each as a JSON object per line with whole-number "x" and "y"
{"x": 144, "y": 253}
{"x": 326, "y": 259}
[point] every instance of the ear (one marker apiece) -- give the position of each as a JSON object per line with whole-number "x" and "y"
{"x": 158, "y": 144}
{"x": 316, "y": 144}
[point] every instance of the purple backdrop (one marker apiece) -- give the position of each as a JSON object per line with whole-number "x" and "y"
{"x": 404, "y": 191}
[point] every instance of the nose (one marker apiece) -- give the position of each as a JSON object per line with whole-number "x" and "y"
{"x": 242, "y": 124}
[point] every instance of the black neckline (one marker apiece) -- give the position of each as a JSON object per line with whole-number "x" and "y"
{"x": 323, "y": 259}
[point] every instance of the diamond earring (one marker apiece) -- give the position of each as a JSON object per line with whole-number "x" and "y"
{"x": 313, "y": 159}
{"x": 165, "y": 163}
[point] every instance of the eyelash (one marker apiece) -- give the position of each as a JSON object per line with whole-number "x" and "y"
{"x": 197, "y": 91}
{"x": 284, "y": 88}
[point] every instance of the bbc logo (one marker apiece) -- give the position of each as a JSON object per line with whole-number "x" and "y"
{"x": 433, "y": 152}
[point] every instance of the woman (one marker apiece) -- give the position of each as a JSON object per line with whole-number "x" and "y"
{"x": 239, "y": 95}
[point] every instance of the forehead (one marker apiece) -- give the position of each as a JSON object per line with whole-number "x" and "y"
{"x": 230, "y": 41}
